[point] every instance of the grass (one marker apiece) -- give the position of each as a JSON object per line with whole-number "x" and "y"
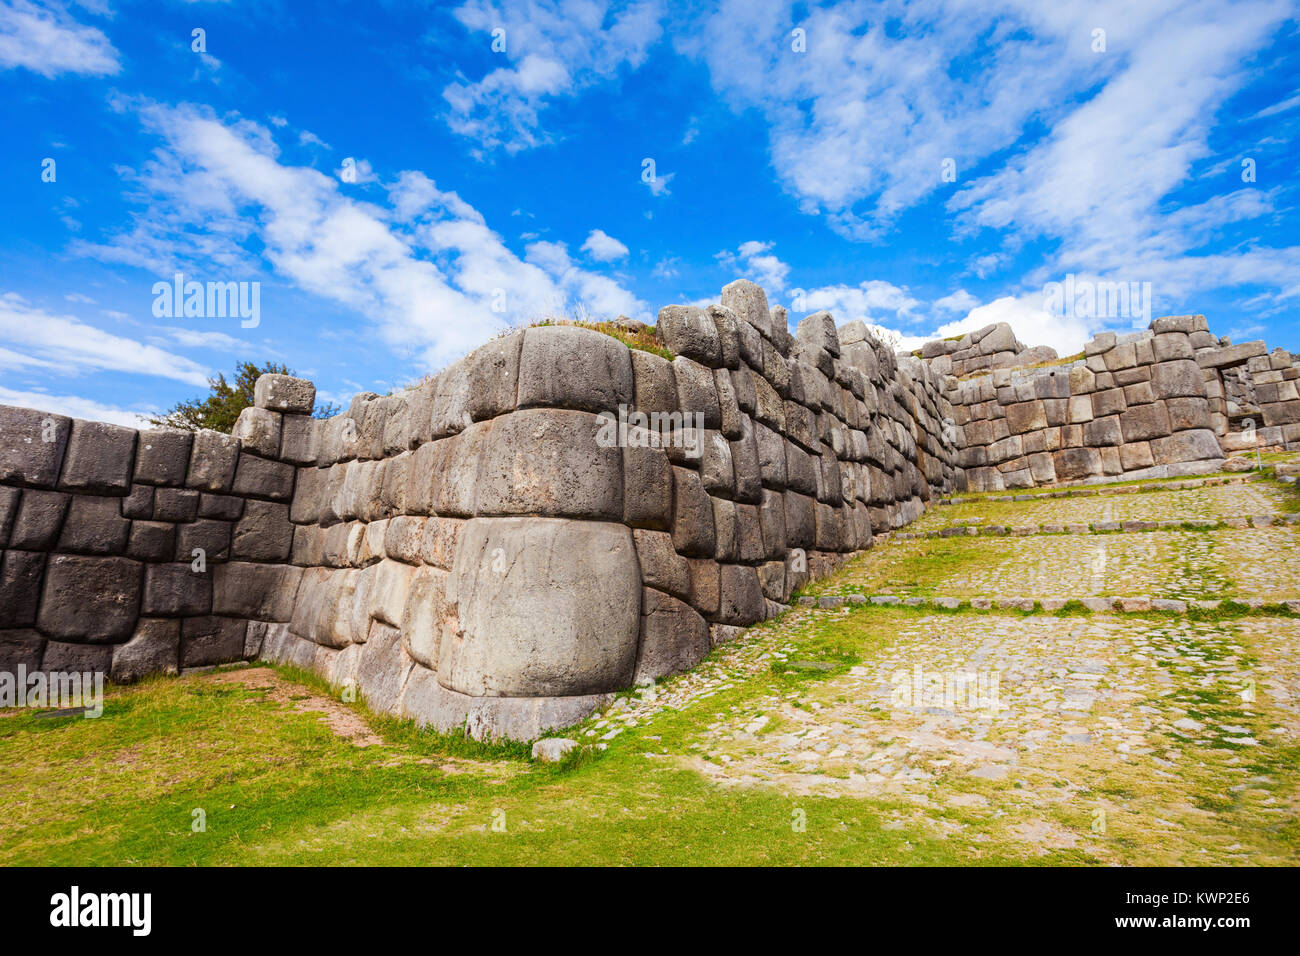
{"x": 646, "y": 340}
{"x": 277, "y": 785}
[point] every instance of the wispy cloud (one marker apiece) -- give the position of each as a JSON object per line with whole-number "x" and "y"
{"x": 46, "y": 39}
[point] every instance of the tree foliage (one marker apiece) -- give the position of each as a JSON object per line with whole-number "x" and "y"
{"x": 220, "y": 409}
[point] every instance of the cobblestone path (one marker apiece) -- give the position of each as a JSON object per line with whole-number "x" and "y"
{"x": 1125, "y": 738}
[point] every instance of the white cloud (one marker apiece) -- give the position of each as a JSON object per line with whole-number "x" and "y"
{"x": 75, "y": 407}
{"x": 754, "y": 260}
{"x": 554, "y": 48}
{"x": 658, "y": 185}
{"x": 603, "y": 247}
{"x": 426, "y": 271}
{"x": 48, "y": 41}
{"x": 874, "y": 302}
{"x": 67, "y": 344}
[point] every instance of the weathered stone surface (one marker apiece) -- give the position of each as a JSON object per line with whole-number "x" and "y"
{"x": 748, "y": 302}
{"x": 151, "y": 541}
{"x": 693, "y": 528}
{"x": 299, "y": 439}
{"x": 94, "y": 525}
{"x": 99, "y": 458}
{"x": 39, "y": 519}
{"x": 741, "y": 600}
{"x": 63, "y": 657}
{"x": 263, "y": 533}
{"x": 689, "y": 331}
{"x": 573, "y": 367}
{"x": 213, "y": 458}
{"x": 260, "y": 592}
{"x": 258, "y": 430}
{"x": 154, "y": 648}
{"x": 284, "y": 393}
{"x": 542, "y": 607}
{"x": 20, "y": 647}
{"x": 211, "y": 640}
{"x": 554, "y": 463}
{"x": 21, "y": 573}
{"x": 90, "y": 599}
{"x": 263, "y": 478}
{"x": 674, "y": 637}
{"x": 1193, "y": 445}
{"x": 32, "y": 444}
{"x": 162, "y": 456}
{"x": 175, "y": 504}
{"x": 1177, "y": 379}
{"x": 172, "y": 590}
{"x": 209, "y": 537}
{"x": 492, "y": 377}
{"x": 1143, "y": 422}
{"x": 661, "y": 566}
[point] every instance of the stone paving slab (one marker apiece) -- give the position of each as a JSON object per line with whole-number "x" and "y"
{"x": 980, "y": 529}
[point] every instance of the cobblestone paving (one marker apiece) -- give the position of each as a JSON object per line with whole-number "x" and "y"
{"x": 1229, "y": 563}
{"x": 1085, "y": 733}
{"x": 1112, "y": 739}
{"x": 1213, "y": 501}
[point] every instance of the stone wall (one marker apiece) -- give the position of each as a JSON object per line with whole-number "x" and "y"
{"x": 133, "y": 552}
{"x": 1162, "y": 402}
{"x": 557, "y": 517}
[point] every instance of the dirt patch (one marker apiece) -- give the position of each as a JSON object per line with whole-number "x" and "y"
{"x": 342, "y": 720}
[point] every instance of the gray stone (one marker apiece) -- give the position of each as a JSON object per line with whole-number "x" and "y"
{"x": 299, "y": 439}
{"x": 552, "y": 463}
{"x": 38, "y": 520}
{"x": 492, "y": 377}
{"x": 572, "y": 367}
{"x": 740, "y": 595}
{"x": 262, "y": 592}
{"x": 541, "y": 607}
{"x": 748, "y": 302}
{"x": 94, "y": 525}
{"x": 263, "y": 478}
{"x": 258, "y": 430}
{"x": 99, "y": 459}
{"x": 31, "y": 446}
{"x": 90, "y": 599}
{"x": 284, "y": 393}
{"x": 154, "y": 648}
{"x": 162, "y": 456}
{"x": 21, "y": 573}
{"x": 212, "y": 461}
{"x": 689, "y": 331}
{"x": 211, "y": 640}
{"x": 552, "y": 749}
{"x": 674, "y": 637}
{"x": 263, "y": 533}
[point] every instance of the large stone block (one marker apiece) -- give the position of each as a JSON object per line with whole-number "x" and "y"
{"x": 211, "y": 640}
{"x": 573, "y": 367}
{"x": 299, "y": 439}
{"x": 163, "y": 456}
{"x": 492, "y": 377}
{"x": 748, "y": 302}
{"x": 173, "y": 590}
{"x": 553, "y": 463}
{"x": 689, "y": 331}
{"x": 427, "y": 616}
{"x": 151, "y": 541}
{"x": 655, "y": 387}
{"x": 100, "y": 458}
{"x": 264, "y": 533}
{"x": 87, "y": 599}
{"x": 697, "y": 392}
{"x": 1025, "y": 417}
{"x": 208, "y": 536}
{"x": 213, "y": 458}
{"x": 324, "y": 606}
{"x": 1073, "y": 464}
{"x": 154, "y": 648}
{"x": 39, "y": 519}
{"x": 694, "y": 534}
{"x": 674, "y": 637}
{"x": 284, "y": 393}
{"x": 542, "y": 607}
{"x": 260, "y": 592}
{"x": 175, "y": 504}
{"x": 1143, "y": 422}
{"x": 453, "y": 469}
{"x": 740, "y": 595}
{"x": 1177, "y": 379}
{"x": 263, "y": 478}
{"x": 258, "y": 430}
{"x": 21, "y": 573}
{"x": 31, "y": 446}
{"x": 661, "y": 566}
{"x": 1192, "y": 445}
{"x": 1185, "y": 413}
{"x": 94, "y": 525}
{"x": 62, "y": 657}
{"x": 647, "y": 484}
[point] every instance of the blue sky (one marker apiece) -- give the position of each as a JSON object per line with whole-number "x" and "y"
{"x": 401, "y": 191}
